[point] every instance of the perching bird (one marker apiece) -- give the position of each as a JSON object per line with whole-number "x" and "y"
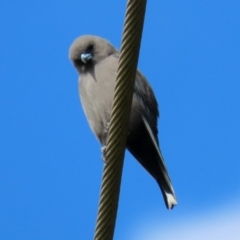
{"x": 96, "y": 60}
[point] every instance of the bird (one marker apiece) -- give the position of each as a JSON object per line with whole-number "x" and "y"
{"x": 96, "y": 61}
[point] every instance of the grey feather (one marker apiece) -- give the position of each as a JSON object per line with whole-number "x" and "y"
{"x": 96, "y": 60}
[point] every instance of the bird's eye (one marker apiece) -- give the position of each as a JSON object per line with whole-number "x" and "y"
{"x": 89, "y": 48}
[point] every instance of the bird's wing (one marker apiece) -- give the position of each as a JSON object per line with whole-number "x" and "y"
{"x": 148, "y": 102}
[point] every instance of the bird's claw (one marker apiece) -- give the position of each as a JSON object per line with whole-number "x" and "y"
{"x": 103, "y": 150}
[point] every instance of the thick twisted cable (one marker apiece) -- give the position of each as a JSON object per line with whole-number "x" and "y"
{"x": 120, "y": 115}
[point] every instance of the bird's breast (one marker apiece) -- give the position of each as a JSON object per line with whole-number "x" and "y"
{"x": 96, "y": 93}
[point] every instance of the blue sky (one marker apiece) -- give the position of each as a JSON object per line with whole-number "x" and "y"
{"x": 50, "y": 166}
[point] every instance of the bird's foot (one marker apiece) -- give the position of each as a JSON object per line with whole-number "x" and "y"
{"x": 103, "y": 150}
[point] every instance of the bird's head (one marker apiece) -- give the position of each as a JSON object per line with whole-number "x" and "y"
{"x": 86, "y": 51}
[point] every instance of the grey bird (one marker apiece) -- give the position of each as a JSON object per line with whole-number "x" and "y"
{"x": 96, "y": 60}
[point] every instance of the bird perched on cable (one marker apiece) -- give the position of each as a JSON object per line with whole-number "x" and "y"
{"x": 96, "y": 60}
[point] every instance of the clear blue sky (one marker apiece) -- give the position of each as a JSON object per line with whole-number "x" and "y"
{"x": 50, "y": 166}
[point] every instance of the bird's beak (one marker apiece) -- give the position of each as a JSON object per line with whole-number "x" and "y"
{"x": 85, "y": 57}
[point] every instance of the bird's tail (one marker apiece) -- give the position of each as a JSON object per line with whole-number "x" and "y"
{"x": 163, "y": 179}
